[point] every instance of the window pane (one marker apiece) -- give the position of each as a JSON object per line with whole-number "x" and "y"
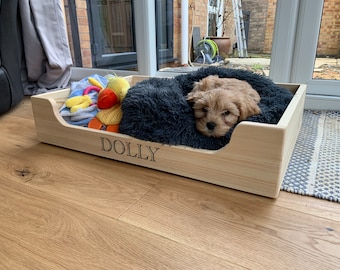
{"x": 165, "y": 31}
{"x": 215, "y": 20}
{"x": 327, "y": 65}
{"x": 116, "y": 25}
{"x": 162, "y": 24}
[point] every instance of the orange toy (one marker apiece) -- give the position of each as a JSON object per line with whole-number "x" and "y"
{"x": 106, "y": 99}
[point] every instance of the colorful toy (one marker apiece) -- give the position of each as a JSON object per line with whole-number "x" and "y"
{"x": 81, "y": 102}
{"x": 109, "y": 105}
{"x": 95, "y": 82}
{"x": 106, "y": 99}
{"x": 119, "y": 85}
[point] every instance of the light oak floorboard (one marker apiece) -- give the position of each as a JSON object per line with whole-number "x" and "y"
{"x": 105, "y": 186}
{"x": 310, "y": 205}
{"x": 38, "y": 231}
{"x": 247, "y": 229}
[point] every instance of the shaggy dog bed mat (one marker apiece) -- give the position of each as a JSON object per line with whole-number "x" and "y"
{"x": 157, "y": 110}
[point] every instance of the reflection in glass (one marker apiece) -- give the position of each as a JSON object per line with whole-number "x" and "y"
{"x": 116, "y": 24}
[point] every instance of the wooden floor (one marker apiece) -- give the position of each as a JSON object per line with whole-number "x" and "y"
{"x": 61, "y": 209}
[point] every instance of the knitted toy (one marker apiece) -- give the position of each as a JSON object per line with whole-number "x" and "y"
{"x": 81, "y": 105}
{"x": 109, "y": 104}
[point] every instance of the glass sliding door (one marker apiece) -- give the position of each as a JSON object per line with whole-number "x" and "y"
{"x": 164, "y": 31}
{"x": 322, "y": 93}
{"x": 112, "y": 30}
{"x": 215, "y": 19}
{"x": 327, "y": 62}
{"x": 112, "y": 34}
{"x": 295, "y": 47}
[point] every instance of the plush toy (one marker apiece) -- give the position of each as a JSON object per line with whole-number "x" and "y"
{"x": 81, "y": 102}
{"x": 119, "y": 85}
{"x": 109, "y": 105}
{"x": 81, "y": 105}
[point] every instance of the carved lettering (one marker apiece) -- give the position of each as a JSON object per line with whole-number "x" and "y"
{"x": 128, "y": 144}
{"x": 106, "y": 144}
{"x": 140, "y": 154}
{"x": 152, "y": 152}
{"x": 120, "y": 147}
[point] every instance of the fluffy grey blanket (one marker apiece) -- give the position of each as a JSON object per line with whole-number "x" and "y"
{"x": 156, "y": 109}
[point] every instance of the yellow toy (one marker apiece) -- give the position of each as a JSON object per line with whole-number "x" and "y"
{"x": 81, "y": 102}
{"x": 78, "y": 102}
{"x": 94, "y": 82}
{"x": 109, "y": 117}
{"x": 119, "y": 85}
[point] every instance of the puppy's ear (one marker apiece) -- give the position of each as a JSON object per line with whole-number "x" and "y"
{"x": 194, "y": 96}
{"x": 247, "y": 107}
{"x": 253, "y": 94}
{"x": 197, "y": 87}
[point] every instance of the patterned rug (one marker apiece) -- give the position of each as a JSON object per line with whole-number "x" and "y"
{"x": 314, "y": 168}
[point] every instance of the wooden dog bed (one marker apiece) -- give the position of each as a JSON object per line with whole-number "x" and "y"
{"x": 254, "y": 161}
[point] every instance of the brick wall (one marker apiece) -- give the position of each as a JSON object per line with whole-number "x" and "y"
{"x": 329, "y": 38}
{"x": 197, "y": 17}
{"x": 262, "y": 22}
{"x": 257, "y": 27}
{"x": 268, "y": 38}
{"x": 84, "y": 32}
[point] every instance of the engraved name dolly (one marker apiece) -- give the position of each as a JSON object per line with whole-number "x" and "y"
{"x": 134, "y": 150}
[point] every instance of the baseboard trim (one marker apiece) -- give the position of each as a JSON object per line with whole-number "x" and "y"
{"x": 319, "y": 102}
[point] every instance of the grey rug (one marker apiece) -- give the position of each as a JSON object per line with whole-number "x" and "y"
{"x": 314, "y": 168}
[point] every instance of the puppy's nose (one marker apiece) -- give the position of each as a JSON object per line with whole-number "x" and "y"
{"x": 211, "y": 125}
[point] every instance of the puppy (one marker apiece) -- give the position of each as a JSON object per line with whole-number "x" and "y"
{"x": 220, "y": 103}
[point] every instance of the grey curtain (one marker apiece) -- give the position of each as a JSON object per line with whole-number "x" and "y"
{"x": 47, "y": 58}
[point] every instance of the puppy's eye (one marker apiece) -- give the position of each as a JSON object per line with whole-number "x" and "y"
{"x": 226, "y": 113}
{"x": 205, "y": 109}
